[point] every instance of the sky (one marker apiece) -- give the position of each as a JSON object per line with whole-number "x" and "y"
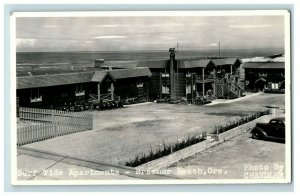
{"x": 53, "y": 34}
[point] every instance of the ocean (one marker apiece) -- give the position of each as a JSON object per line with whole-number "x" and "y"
{"x": 46, "y": 59}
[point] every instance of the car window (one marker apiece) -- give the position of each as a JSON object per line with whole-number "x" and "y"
{"x": 280, "y": 124}
{"x": 273, "y": 122}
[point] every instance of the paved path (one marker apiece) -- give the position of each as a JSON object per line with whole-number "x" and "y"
{"x": 239, "y": 158}
{"x": 218, "y": 101}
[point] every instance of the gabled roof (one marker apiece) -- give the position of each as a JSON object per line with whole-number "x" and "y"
{"x": 79, "y": 77}
{"x": 154, "y": 64}
{"x": 53, "y": 80}
{"x": 264, "y": 65}
{"x": 227, "y": 61}
{"x": 121, "y": 74}
{"x": 130, "y": 73}
{"x": 100, "y": 75}
{"x": 184, "y": 64}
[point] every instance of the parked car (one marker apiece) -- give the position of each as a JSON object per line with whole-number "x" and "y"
{"x": 275, "y": 129}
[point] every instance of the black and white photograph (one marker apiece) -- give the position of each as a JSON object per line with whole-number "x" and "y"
{"x": 150, "y": 97}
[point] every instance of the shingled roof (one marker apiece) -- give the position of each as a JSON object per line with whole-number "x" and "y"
{"x": 99, "y": 76}
{"x": 130, "y": 73}
{"x": 154, "y": 64}
{"x": 227, "y": 61}
{"x": 184, "y": 64}
{"x": 79, "y": 77}
{"x": 53, "y": 80}
{"x": 264, "y": 65}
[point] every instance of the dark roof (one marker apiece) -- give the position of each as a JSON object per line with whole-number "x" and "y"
{"x": 194, "y": 63}
{"x": 121, "y": 74}
{"x": 130, "y": 73}
{"x": 53, "y": 80}
{"x": 100, "y": 75}
{"x": 154, "y": 64}
{"x": 227, "y": 61}
{"x": 264, "y": 65}
{"x": 79, "y": 77}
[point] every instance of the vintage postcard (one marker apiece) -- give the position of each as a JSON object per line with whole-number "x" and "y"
{"x": 164, "y": 97}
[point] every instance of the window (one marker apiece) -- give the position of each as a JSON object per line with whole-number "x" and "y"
{"x": 35, "y": 95}
{"x": 140, "y": 84}
{"x": 188, "y": 89}
{"x": 165, "y": 89}
{"x": 280, "y": 124}
{"x": 165, "y": 75}
{"x": 79, "y": 90}
{"x": 274, "y": 85}
{"x": 273, "y": 123}
{"x": 262, "y": 74}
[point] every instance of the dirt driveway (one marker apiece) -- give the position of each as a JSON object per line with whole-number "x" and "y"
{"x": 120, "y": 134}
{"x": 240, "y": 158}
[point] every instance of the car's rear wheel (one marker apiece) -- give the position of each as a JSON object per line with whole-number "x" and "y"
{"x": 256, "y": 135}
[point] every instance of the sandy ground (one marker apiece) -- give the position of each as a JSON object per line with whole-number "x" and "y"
{"x": 120, "y": 134}
{"x": 239, "y": 158}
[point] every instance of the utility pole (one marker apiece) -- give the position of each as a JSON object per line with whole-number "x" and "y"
{"x": 219, "y": 43}
{"x": 177, "y": 72}
{"x": 172, "y": 72}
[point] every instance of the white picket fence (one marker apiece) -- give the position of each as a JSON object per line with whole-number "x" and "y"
{"x": 51, "y": 123}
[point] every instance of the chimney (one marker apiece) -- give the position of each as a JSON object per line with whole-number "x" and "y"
{"x": 99, "y": 63}
{"x": 172, "y": 72}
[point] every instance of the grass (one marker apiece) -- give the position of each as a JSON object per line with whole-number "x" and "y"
{"x": 164, "y": 149}
{"x": 221, "y": 129}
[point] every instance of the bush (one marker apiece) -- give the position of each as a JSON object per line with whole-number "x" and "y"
{"x": 172, "y": 100}
{"x": 221, "y": 129}
{"x": 203, "y": 100}
{"x": 165, "y": 149}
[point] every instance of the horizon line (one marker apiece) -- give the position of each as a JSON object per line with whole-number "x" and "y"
{"x": 149, "y": 50}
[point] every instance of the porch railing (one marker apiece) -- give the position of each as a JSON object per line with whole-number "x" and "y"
{"x": 206, "y": 77}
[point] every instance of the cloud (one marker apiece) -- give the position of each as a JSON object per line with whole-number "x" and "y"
{"x": 110, "y": 37}
{"x": 167, "y": 38}
{"x": 71, "y": 41}
{"x": 110, "y": 25}
{"x": 50, "y": 26}
{"x": 251, "y": 26}
{"x": 213, "y": 44}
{"x": 20, "y": 42}
{"x": 88, "y": 42}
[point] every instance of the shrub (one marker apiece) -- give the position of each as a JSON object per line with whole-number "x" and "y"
{"x": 164, "y": 150}
{"x": 221, "y": 129}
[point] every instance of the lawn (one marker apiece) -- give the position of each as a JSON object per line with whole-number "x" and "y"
{"x": 120, "y": 134}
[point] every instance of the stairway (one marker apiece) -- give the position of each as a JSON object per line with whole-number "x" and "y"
{"x": 228, "y": 88}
